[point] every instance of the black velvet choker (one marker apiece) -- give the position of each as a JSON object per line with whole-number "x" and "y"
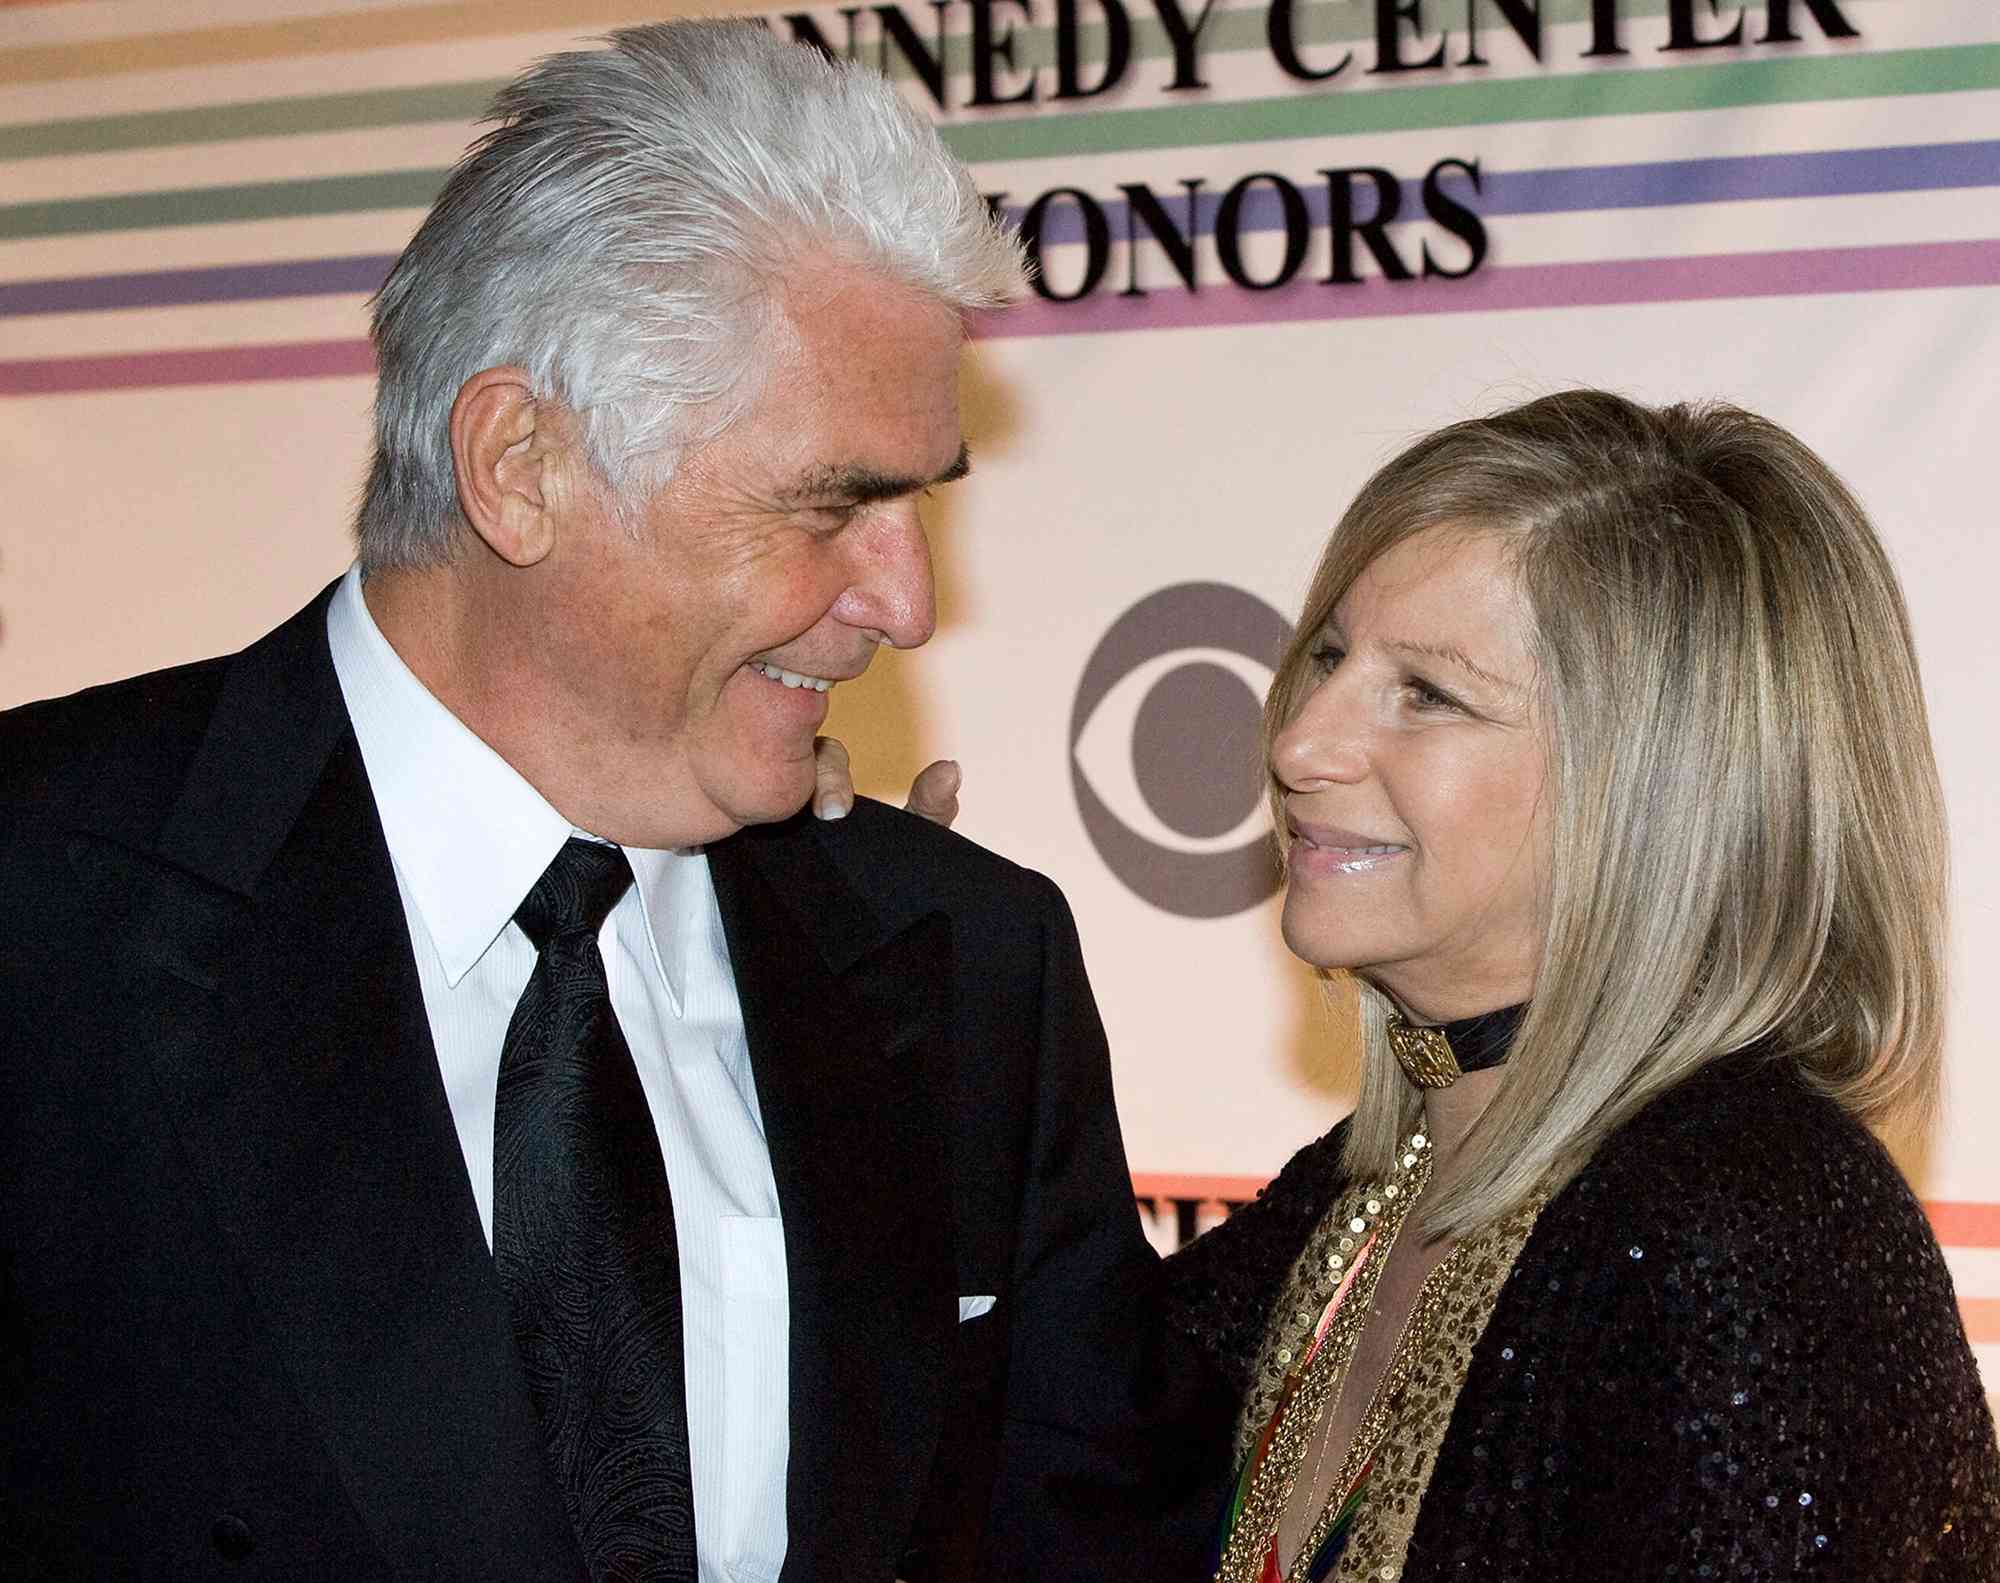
{"x": 1436, "y": 1057}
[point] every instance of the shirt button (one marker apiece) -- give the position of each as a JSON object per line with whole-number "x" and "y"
{"x": 232, "y": 1536}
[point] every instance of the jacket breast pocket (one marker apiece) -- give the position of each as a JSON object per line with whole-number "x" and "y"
{"x": 978, "y": 1369}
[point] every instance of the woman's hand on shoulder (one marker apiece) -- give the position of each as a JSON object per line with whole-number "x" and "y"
{"x": 933, "y": 794}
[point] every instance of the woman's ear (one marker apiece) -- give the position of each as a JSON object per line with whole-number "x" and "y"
{"x": 502, "y": 451}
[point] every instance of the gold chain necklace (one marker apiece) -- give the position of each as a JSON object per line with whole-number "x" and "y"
{"x": 1322, "y": 1373}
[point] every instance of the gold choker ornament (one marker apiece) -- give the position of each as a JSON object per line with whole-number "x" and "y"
{"x": 1424, "y": 1054}
{"x": 1437, "y": 1057}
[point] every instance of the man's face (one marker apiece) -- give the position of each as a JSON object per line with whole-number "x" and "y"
{"x": 788, "y": 548}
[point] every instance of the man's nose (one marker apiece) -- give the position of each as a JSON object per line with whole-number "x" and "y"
{"x": 890, "y": 593}
{"x": 1324, "y": 743}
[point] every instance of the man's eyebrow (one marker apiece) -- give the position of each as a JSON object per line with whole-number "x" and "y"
{"x": 859, "y": 485}
{"x": 1451, "y": 654}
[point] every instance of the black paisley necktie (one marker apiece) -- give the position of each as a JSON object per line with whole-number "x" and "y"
{"x": 583, "y": 1237}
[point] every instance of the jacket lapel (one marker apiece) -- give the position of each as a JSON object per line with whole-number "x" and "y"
{"x": 295, "y": 1058}
{"x": 846, "y": 1018}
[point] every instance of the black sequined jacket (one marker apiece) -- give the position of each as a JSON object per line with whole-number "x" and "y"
{"x": 1729, "y": 1349}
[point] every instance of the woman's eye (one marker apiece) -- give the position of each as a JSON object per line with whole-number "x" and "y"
{"x": 1328, "y": 655}
{"x": 1428, "y": 697}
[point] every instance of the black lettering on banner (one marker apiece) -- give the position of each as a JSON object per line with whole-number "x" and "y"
{"x": 1390, "y": 15}
{"x": 1185, "y": 1223}
{"x": 1176, "y": 229}
{"x": 1179, "y": 246}
{"x": 1404, "y": 40}
{"x": 1778, "y": 21}
{"x": 1117, "y": 49}
{"x": 1184, "y": 36}
{"x": 805, "y": 30}
{"x": 1229, "y": 216}
{"x": 1096, "y": 239}
{"x": 1682, "y": 23}
{"x": 1604, "y": 29}
{"x": 1186, "y": 1212}
{"x": 1455, "y": 217}
{"x": 1374, "y": 231}
{"x": 1279, "y": 32}
{"x": 989, "y": 46}
{"x": 929, "y": 66}
{"x": 1523, "y": 19}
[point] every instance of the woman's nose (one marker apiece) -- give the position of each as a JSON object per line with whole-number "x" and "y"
{"x": 1324, "y": 743}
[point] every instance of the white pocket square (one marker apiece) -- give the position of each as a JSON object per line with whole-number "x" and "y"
{"x": 973, "y": 1307}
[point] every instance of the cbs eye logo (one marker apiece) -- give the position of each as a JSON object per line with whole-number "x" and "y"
{"x": 1164, "y": 750}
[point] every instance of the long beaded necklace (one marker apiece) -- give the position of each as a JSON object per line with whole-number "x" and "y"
{"x": 1353, "y": 1267}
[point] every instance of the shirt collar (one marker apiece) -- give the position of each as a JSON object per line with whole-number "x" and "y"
{"x": 469, "y": 836}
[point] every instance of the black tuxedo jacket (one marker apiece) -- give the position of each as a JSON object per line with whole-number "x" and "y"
{"x": 251, "y": 1326}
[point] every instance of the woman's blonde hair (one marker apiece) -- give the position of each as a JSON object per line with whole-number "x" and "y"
{"x": 1748, "y": 832}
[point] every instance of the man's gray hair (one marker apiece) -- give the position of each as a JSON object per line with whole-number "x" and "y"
{"x": 620, "y": 233}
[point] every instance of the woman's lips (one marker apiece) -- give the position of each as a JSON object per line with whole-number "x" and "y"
{"x": 1332, "y": 849}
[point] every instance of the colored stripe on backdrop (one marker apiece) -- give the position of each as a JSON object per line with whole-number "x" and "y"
{"x": 222, "y": 365}
{"x": 1576, "y": 188}
{"x": 1550, "y": 96}
{"x": 1205, "y": 1189}
{"x": 221, "y": 123}
{"x": 232, "y": 44}
{"x": 1576, "y": 94}
{"x": 1965, "y": 1225}
{"x": 163, "y": 288}
{"x": 1716, "y": 277}
{"x": 263, "y": 200}
{"x": 1982, "y": 1318}
{"x": 1559, "y": 96}
{"x": 1842, "y": 172}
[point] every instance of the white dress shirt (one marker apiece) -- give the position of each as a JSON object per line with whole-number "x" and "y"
{"x": 469, "y": 838}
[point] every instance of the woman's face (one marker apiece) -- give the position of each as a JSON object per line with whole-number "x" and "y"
{"x": 1413, "y": 773}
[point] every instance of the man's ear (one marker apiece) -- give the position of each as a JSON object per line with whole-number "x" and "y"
{"x": 504, "y": 449}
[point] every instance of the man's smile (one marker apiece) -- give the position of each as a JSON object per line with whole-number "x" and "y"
{"x": 778, "y": 673}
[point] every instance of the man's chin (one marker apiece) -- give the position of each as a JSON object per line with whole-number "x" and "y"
{"x": 768, "y": 800}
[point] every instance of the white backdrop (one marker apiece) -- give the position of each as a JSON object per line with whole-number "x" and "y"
{"x": 195, "y": 201}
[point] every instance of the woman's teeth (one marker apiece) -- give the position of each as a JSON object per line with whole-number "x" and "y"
{"x": 1347, "y": 851}
{"x": 818, "y": 684}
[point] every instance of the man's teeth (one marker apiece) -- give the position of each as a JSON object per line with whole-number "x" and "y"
{"x": 818, "y": 684}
